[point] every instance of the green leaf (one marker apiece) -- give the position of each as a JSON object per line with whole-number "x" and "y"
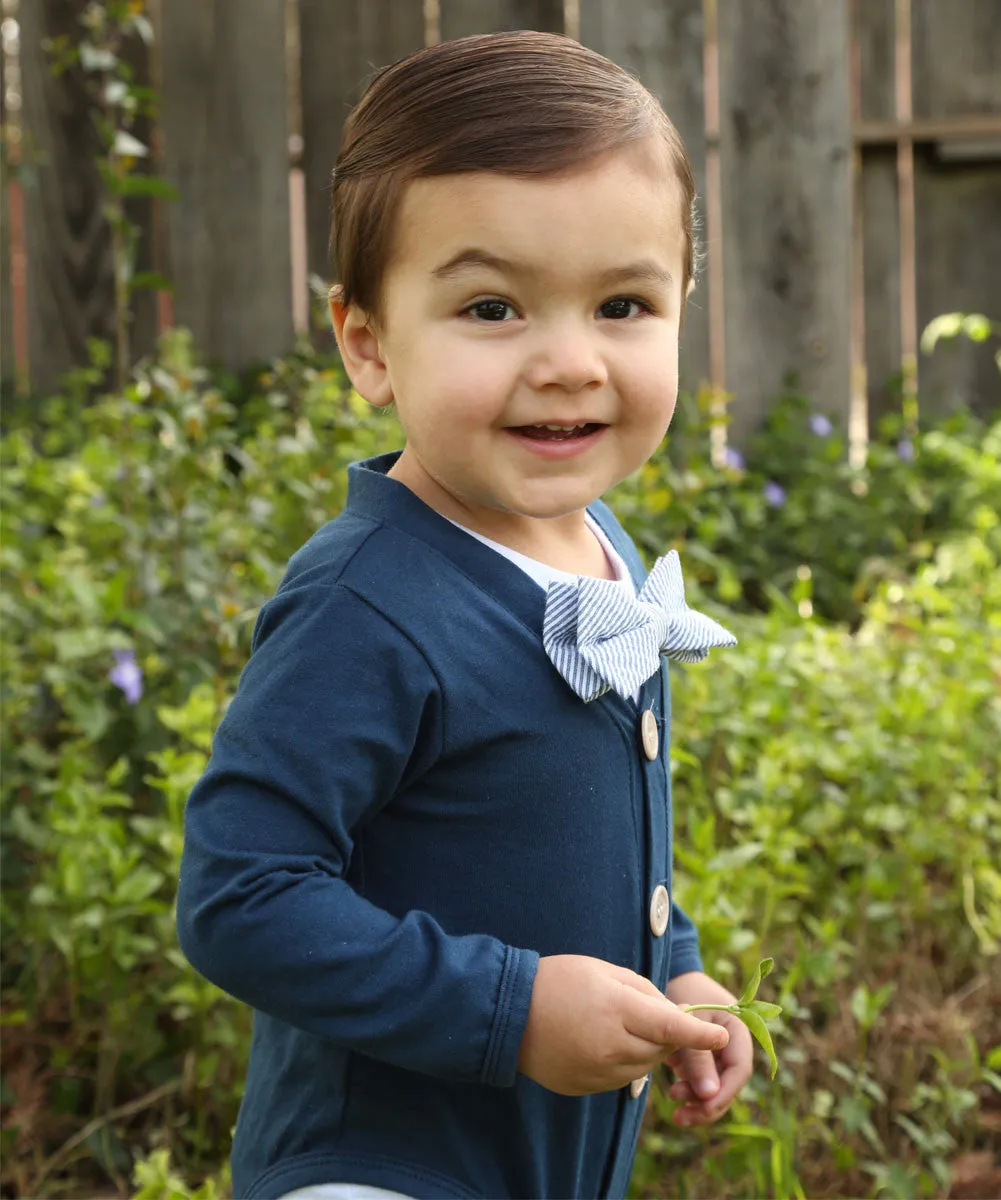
{"x": 152, "y": 280}
{"x": 137, "y": 886}
{"x": 767, "y": 1012}
{"x": 760, "y": 971}
{"x": 127, "y": 146}
{"x": 146, "y": 185}
{"x": 976, "y": 327}
{"x": 760, "y": 1032}
{"x": 948, "y": 325}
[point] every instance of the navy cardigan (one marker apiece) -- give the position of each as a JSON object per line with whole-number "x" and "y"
{"x": 406, "y": 806}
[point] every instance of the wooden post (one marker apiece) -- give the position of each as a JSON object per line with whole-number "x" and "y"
{"x": 223, "y": 119}
{"x": 786, "y": 160}
{"x": 903, "y": 111}
{"x": 343, "y": 42}
{"x": 461, "y": 17}
{"x": 660, "y": 41}
{"x": 6, "y": 266}
{"x": 858, "y": 418}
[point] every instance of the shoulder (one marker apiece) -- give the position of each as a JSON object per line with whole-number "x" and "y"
{"x": 320, "y": 592}
{"x": 362, "y": 554}
{"x": 360, "y": 568}
{"x": 320, "y": 639}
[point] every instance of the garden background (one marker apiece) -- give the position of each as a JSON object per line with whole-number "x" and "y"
{"x": 176, "y": 423}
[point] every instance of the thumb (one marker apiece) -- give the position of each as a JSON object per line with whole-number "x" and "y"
{"x": 637, "y": 982}
{"x": 657, "y": 1020}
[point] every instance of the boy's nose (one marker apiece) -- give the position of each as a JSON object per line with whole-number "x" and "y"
{"x": 567, "y": 359}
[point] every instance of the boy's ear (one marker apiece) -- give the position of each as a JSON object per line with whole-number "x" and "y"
{"x": 358, "y": 342}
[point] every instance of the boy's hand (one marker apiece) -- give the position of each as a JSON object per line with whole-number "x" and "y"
{"x": 708, "y": 1083}
{"x": 594, "y": 1027}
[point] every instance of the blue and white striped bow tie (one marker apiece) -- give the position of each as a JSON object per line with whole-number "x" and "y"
{"x": 601, "y": 638}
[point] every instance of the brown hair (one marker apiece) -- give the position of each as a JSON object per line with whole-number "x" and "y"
{"x": 523, "y": 103}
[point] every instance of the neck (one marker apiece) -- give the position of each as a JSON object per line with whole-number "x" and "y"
{"x": 564, "y": 542}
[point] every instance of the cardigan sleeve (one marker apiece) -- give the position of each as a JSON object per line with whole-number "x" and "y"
{"x": 335, "y": 711}
{"x": 685, "y": 954}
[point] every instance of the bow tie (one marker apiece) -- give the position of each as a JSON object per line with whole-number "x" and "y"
{"x": 599, "y": 637}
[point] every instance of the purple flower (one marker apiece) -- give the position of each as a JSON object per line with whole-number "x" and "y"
{"x": 127, "y": 675}
{"x": 733, "y": 459}
{"x": 820, "y": 425}
{"x": 905, "y": 450}
{"x": 774, "y": 494}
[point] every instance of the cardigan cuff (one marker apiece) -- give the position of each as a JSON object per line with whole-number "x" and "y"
{"x": 514, "y": 995}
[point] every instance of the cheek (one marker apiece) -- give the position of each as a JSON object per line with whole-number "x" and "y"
{"x": 655, "y": 387}
{"x": 471, "y": 379}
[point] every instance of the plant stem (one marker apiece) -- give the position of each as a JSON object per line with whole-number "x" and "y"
{"x": 730, "y": 1008}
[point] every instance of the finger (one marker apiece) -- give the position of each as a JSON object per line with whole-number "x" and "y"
{"x": 694, "y": 1111}
{"x": 732, "y": 1079}
{"x": 659, "y": 1021}
{"x": 681, "y": 1091}
{"x": 698, "y": 1069}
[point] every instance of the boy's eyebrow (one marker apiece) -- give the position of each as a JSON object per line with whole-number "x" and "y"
{"x": 645, "y": 269}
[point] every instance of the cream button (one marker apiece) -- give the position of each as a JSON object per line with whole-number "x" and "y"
{"x": 660, "y": 910}
{"x": 637, "y": 1086}
{"x": 649, "y": 734}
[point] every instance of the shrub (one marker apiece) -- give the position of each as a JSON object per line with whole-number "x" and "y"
{"x": 794, "y": 510}
{"x": 836, "y": 785}
{"x": 838, "y": 805}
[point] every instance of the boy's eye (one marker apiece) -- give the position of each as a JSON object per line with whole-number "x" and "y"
{"x": 618, "y": 308}
{"x": 489, "y": 310}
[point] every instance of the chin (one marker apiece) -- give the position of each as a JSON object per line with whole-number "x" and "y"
{"x": 552, "y": 509}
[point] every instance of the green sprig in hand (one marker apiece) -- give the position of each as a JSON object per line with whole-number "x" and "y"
{"x": 754, "y": 1013}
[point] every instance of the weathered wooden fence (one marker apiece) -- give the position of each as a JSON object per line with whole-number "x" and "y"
{"x": 847, "y": 152}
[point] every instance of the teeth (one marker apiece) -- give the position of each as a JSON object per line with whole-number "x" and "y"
{"x": 560, "y": 427}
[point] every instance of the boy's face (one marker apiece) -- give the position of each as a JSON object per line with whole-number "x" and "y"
{"x": 511, "y": 304}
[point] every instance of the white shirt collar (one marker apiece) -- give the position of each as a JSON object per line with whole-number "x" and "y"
{"x": 543, "y": 573}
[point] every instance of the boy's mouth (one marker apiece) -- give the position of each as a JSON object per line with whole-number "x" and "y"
{"x": 557, "y": 433}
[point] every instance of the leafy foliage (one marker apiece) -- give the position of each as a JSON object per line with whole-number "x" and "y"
{"x": 795, "y": 519}
{"x": 836, "y": 776}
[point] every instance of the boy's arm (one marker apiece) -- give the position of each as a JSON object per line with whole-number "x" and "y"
{"x": 335, "y": 711}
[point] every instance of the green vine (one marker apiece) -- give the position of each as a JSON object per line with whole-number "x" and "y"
{"x": 118, "y": 101}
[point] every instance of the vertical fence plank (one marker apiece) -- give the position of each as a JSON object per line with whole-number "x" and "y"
{"x": 958, "y": 198}
{"x": 875, "y": 32}
{"x": 660, "y": 41}
{"x": 880, "y": 233}
{"x": 223, "y": 118}
{"x": 343, "y": 43}
{"x": 462, "y": 17}
{"x": 958, "y": 257}
{"x": 69, "y": 281}
{"x": 785, "y": 146}
{"x": 881, "y": 257}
